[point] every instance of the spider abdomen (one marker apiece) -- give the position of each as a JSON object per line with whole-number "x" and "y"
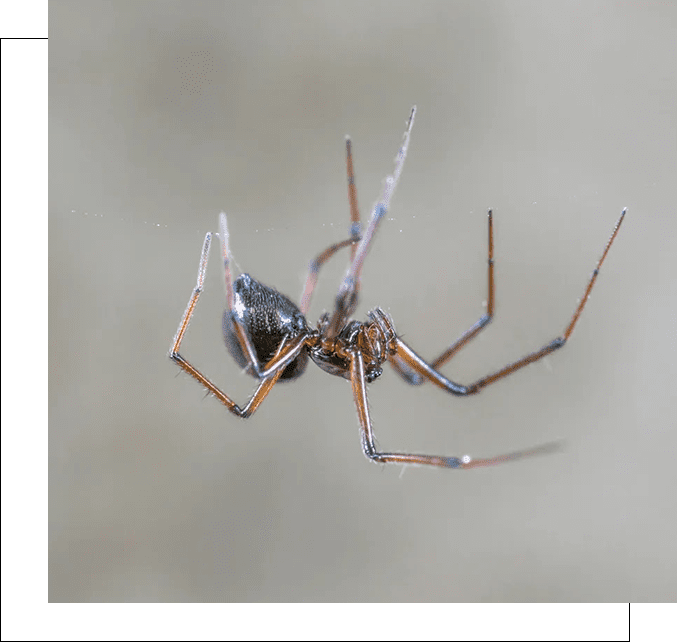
{"x": 268, "y": 317}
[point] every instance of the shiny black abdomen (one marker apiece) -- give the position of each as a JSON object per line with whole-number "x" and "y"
{"x": 267, "y": 317}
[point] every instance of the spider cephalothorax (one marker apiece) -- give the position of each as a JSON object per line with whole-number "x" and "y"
{"x": 268, "y": 335}
{"x": 375, "y": 340}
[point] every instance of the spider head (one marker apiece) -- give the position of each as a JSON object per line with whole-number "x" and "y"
{"x": 380, "y": 339}
{"x": 376, "y": 340}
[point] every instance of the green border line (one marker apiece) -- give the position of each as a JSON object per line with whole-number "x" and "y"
{"x": 24, "y": 474}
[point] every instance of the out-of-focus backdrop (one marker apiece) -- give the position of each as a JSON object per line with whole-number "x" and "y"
{"x": 163, "y": 114}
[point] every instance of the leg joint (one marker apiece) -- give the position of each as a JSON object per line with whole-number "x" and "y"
{"x": 557, "y": 343}
{"x": 370, "y": 452}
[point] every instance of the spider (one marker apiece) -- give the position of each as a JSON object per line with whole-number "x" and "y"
{"x": 268, "y": 335}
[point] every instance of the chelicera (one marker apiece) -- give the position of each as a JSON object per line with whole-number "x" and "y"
{"x": 269, "y": 336}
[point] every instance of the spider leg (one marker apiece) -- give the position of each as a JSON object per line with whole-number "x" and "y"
{"x": 346, "y": 299}
{"x": 275, "y": 367}
{"x": 355, "y": 229}
{"x": 355, "y": 224}
{"x": 315, "y": 265}
{"x": 414, "y": 379}
{"x": 357, "y": 377}
{"x": 243, "y": 338}
{"x": 314, "y": 268}
{"x": 288, "y": 350}
{"x": 416, "y": 364}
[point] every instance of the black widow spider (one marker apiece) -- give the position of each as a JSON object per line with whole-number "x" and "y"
{"x": 267, "y": 334}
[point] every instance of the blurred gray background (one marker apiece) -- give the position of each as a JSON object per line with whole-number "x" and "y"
{"x": 557, "y": 115}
